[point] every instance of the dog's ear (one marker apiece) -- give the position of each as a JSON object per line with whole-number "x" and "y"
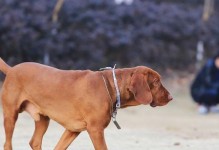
{"x": 140, "y": 88}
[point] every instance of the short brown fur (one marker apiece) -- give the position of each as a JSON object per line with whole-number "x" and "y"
{"x": 78, "y": 100}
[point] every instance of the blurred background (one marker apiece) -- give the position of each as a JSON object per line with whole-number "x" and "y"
{"x": 173, "y": 37}
{"x": 96, "y": 33}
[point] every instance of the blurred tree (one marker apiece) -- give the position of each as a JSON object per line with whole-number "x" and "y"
{"x": 96, "y": 33}
{"x": 57, "y": 8}
{"x": 208, "y": 10}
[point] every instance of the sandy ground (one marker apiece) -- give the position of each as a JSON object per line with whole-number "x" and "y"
{"x": 176, "y": 126}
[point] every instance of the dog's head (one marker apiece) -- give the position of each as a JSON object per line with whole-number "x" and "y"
{"x": 146, "y": 86}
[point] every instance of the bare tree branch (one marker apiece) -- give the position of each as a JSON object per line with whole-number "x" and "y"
{"x": 208, "y": 9}
{"x": 56, "y": 10}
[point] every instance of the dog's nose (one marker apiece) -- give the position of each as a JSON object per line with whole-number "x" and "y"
{"x": 170, "y": 97}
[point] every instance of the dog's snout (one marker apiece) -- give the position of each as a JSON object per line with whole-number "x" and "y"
{"x": 170, "y": 97}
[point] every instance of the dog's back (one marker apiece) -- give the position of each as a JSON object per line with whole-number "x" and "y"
{"x": 43, "y": 90}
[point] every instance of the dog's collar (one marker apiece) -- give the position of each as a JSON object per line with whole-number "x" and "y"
{"x": 118, "y": 100}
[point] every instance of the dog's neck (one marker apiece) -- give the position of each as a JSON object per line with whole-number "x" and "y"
{"x": 123, "y": 77}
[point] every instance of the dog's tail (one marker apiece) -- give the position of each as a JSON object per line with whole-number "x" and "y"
{"x": 3, "y": 66}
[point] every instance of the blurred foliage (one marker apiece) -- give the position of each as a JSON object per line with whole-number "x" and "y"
{"x": 96, "y": 33}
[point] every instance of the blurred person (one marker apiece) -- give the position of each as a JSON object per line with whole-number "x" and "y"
{"x": 205, "y": 87}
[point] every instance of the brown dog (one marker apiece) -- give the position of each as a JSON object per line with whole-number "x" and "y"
{"x": 78, "y": 100}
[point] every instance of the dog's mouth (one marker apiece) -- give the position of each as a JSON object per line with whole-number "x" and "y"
{"x": 153, "y": 104}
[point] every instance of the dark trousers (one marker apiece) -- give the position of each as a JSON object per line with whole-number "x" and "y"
{"x": 208, "y": 97}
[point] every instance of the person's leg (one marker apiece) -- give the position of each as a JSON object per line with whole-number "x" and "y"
{"x": 207, "y": 101}
{"x": 210, "y": 98}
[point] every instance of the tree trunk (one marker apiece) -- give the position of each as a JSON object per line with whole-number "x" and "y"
{"x": 56, "y": 10}
{"x": 208, "y": 9}
{"x": 46, "y": 57}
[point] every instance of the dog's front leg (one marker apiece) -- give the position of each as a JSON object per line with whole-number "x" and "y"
{"x": 66, "y": 139}
{"x": 40, "y": 129}
{"x": 97, "y": 137}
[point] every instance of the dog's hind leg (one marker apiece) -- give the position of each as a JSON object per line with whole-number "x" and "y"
{"x": 40, "y": 129}
{"x": 10, "y": 118}
{"x": 66, "y": 139}
{"x": 10, "y": 113}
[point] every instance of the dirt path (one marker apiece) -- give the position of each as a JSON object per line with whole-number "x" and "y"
{"x": 174, "y": 127}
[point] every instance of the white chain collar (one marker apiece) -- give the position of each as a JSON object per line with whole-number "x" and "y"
{"x": 118, "y": 100}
